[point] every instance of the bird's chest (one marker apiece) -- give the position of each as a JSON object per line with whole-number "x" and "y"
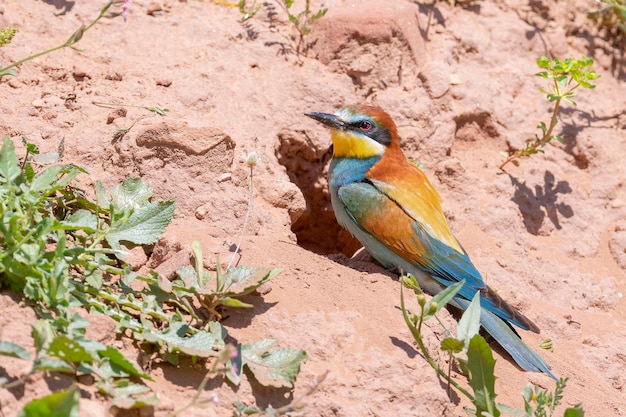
{"x": 344, "y": 171}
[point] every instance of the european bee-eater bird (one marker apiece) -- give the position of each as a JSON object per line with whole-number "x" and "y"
{"x": 389, "y": 205}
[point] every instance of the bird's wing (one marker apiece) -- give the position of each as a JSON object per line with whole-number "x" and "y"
{"x": 411, "y": 224}
{"x": 403, "y": 221}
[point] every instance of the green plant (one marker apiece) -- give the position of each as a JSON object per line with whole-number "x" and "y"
{"x": 302, "y": 21}
{"x": 248, "y": 12}
{"x": 63, "y": 251}
{"x": 566, "y": 76}
{"x": 611, "y": 17}
{"x": 6, "y": 36}
{"x": 474, "y": 357}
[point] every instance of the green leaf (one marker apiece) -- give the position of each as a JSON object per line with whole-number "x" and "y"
{"x": 512, "y": 411}
{"x": 441, "y": 299}
{"x": 43, "y": 181}
{"x": 276, "y": 368}
{"x": 81, "y": 220}
{"x": 543, "y": 62}
{"x": 127, "y": 395}
{"x": 58, "y": 404}
{"x": 13, "y": 350}
{"x": 46, "y": 158}
{"x": 43, "y": 333}
{"x": 133, "y": 192}
{"x": 9, "y": 166}
{"x": 101, "y": 196}
{"x": 469, "y": 325}
{"x": 452, "y": 344}
{"x": 576, "y": 411}
{"x": 482, "y": 380}
{"x": 233, "y": 302}
{"x": 53, "y": 365}
{"x": 69, "y": 350}
{"x": 145, "y": 225}
{"x": 242, "y": 280}
{"x": 120, "y": 365}
{"x": 201, "y": 276}
{"x": 176, "y": 338}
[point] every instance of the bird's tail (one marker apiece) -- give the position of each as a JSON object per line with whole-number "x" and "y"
{"x": 525, "y": 357}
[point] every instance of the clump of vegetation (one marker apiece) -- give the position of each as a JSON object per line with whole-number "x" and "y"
{"x": 612, "y": 18}
{"x": 565, "y": 77}
{"x": 302, "y": 20}
{"x": 62, "y": 250}
{"x": 473, "y": 356}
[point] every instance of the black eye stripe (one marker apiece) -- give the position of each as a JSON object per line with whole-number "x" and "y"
{"x": 372, "y": 130}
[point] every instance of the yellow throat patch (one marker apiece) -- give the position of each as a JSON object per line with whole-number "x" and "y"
{"x": 349, "y": 145}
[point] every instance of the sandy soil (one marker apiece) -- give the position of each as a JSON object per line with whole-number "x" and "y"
{"x": 549, "y": 235}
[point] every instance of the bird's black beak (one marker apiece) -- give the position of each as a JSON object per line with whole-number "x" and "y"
{"x": 329, "y": 120}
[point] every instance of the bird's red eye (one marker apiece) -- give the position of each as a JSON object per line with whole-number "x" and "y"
{"x": 365, "y": 125}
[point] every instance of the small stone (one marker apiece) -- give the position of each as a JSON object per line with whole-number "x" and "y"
{"x": 164, "y": 82}
{"x": 455, "y": 79}
{"x": 135, "y": 257}
{"x": 202, "y": 211}
{"x": 116, "y": 114}
{"x": 37, "y": 103}
{"x": 226, "y": 176}
{"x": 114, "y": 76}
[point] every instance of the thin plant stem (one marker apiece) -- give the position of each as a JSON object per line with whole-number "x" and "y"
{"x": 74, "y": 38}
{"x": 417, "y": 335}
{"x": 245, "y": 220}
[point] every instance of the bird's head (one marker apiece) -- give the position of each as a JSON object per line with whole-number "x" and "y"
{"x": 359, "y": 131}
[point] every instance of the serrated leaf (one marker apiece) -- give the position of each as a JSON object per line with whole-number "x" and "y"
{"x": 242, "y": 280}
{"x": 188, "y": 275}
{"x": 69, "y": 350}
{"x": 44, "y": 180}
{"x": 133, "y": 192}
{"x": 9, "y": 165}
{"x": 46, "y": 158}
{"x": 145, "y": 225}
{"x": 481, "y": 365}
{"x": 127, "y": 394}
{"x": 58, "y": 404}
{"x": 176, "y": 338}
{"x": 469, "y": 325}
{"x": 13, "y": 350}
{"x": 81, "y": 220}
{"x": 277, "y": 368}
{"x": 120, "y": 365}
